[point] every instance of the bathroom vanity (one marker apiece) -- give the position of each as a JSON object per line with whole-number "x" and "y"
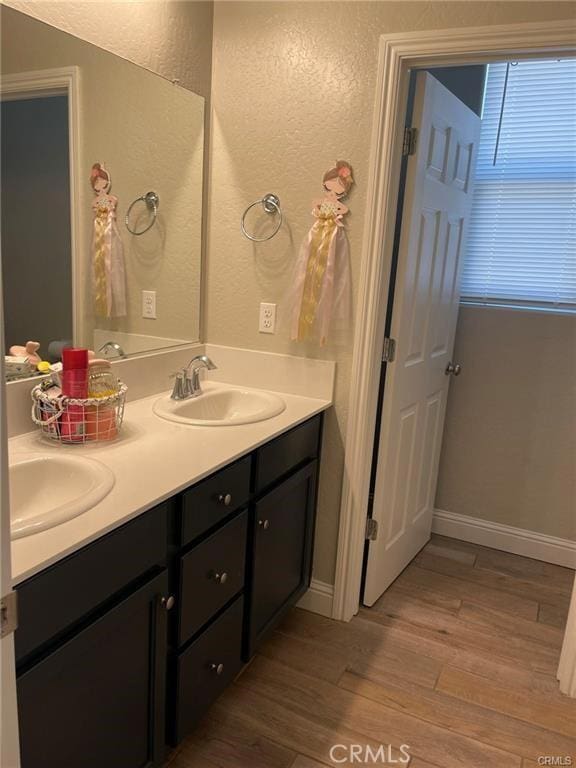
{"x": 125, "y": 643}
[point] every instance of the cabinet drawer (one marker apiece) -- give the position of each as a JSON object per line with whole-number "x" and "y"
{"x": 288, "y": 451}
{"x": 213, "y": 499}
{"x": 204, "y": 670}
{"x": 211, "y": 574}
{"x": 62, "y": 595}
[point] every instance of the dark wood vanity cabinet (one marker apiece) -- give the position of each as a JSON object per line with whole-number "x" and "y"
{"x": 91, "y": 653}
{"x": 98, "y": 700}
{"x": 124, "y": 645}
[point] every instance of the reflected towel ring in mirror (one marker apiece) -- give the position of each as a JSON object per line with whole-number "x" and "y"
{"x": 152, "y": 202}
{"x": 271, "y": 204}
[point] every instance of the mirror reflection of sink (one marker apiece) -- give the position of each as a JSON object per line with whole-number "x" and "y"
{"x": 46, "y": 490}
{"x": 220, "y": 406}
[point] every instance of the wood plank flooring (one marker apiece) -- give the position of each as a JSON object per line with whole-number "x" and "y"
{"x": 456, "y": 660}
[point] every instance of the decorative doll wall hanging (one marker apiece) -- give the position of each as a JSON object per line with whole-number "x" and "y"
{"x": 108, "y": 273}
{"x": 321, "y": 292}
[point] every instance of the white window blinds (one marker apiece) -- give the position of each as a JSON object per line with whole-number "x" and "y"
{"x": 522, "y": 235}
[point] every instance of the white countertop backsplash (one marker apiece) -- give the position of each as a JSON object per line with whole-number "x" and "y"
{"x": 154, "y": 459}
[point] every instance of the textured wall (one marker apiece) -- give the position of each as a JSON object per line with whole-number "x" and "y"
{"x": 149, "y": 134}
{"x": 166, "y": 36}
{"x": 293, "y": 89}
{"x": 509, "y": 449}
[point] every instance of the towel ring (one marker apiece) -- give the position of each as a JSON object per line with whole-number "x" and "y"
{"x": 152, "y": 203}
{"x": 270, "y": 204}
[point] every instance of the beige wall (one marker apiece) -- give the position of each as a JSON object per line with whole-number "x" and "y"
{"x": 509, "y": 449}
{"x": 149, "y": 133}
{"x": 293, "y": 90}
{"x": 169, "y": 37}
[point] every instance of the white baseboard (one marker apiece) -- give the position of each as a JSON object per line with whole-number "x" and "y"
{"x": 516, "y": 540}
{"x": 318, "y": 599}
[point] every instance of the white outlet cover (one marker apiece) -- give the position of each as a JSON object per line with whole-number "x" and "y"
{"x": 149, "y": 305}
{"x": 267, "y": 319}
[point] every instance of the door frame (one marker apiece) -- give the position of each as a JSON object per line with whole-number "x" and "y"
{"x": 397, "y": 54}
{"x": 56, "y": 82}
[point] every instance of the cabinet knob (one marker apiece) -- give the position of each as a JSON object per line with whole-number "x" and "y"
{"x": 220, "y": 578}
{"x": 265, "y": 524}
{"x": 217, "y": 668}
{"x": 225, "y": 498}
{"x": 168, "y": 602}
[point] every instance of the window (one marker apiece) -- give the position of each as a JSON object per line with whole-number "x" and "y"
{"x": 522, "y": 235}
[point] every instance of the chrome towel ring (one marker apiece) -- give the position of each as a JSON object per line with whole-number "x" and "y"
{"x": 152, "y": 202}
{"x": 271, "y": 204}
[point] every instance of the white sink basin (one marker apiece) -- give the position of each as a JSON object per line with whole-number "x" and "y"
{"x": 46, "y": 490}
{"x": 221, "y": 406}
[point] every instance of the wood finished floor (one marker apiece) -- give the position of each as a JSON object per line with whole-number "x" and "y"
{"x": 457, "y": 660}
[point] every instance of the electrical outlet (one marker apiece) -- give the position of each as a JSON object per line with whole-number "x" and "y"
{"x": 149, "y": 304}
{"x": 267, "y": 322}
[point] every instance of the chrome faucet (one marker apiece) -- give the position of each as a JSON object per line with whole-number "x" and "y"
{"x": 187, "y": 382}
{"x": 112, "y": 345}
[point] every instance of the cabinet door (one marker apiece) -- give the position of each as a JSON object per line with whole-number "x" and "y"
{"x": 282, "y": 554}
{"x": 99, "y": 699}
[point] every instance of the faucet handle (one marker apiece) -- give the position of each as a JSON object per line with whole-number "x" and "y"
{"x": 180, "y": 390}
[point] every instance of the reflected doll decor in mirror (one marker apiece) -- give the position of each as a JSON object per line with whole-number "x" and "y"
{"x": 108, "y": 272}
{"x": 320, "y": 301}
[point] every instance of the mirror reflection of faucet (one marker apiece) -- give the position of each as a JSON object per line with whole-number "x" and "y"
{"x": 110, "y": 347}
{"x": 187, "y": 382}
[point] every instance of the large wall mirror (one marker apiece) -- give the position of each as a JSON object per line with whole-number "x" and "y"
{"x": 67, "y": 105}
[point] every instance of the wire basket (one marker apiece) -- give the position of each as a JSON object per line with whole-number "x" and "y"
{"x": 78, "y": 421}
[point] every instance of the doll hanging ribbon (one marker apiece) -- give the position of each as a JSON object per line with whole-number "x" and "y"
{"x": 108, "y": 271}
{"x": 321, "y": 289}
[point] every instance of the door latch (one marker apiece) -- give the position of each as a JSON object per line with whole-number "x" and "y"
{"x": 8, "y": 614}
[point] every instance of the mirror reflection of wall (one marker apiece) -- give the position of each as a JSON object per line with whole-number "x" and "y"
{"x": 35, "y": 209}
{"x": 149, "y": 134}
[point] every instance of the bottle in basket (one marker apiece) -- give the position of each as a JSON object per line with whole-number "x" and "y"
{"x": 74, "y": 385}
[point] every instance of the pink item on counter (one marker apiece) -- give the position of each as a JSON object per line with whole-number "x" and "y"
{"x": 29, "y": 351}
{"x": 74, "y": 379}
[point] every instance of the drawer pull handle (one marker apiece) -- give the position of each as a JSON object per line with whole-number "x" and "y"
{"x": 265, "y": 524}
{"x": 168, "y": 602}
{"x": 220, "y": 578}
{"x": 217, "y": 668}
{"x": 225, "y": 498}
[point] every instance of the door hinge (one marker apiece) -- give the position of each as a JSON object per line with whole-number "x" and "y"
{"x": 8, "y": 614}
{"x": 410, "y": 140}
{"x": 371, "y": 529}
{"x": 389, "y": 351}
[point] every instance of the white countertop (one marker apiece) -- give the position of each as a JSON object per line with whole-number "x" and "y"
{"x": 152, "y": 460}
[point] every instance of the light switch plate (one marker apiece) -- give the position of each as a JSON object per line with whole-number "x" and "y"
{"x": 267, "y": 322}
{"x": 149, "y": 304}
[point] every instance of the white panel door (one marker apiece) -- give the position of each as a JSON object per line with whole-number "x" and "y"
{"x": 9, "y": 746}
{"x": 437, "y": 204}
